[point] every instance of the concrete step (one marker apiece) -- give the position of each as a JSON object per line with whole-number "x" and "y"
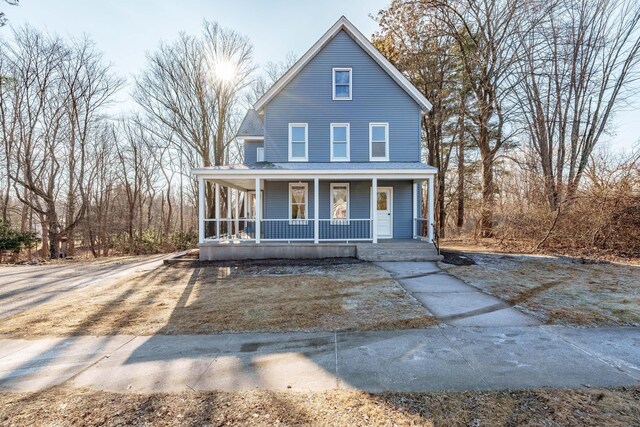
{"x": 397, "y": 252}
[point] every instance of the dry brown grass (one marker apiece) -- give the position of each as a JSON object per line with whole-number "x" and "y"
{"x": 232, "y": 297}
{"x": 63, "y": 406}
{"x": 559, "y": 290}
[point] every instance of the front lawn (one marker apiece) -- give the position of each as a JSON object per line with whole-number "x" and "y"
{"x": 559, "y": 290}
{"x": 546, "y": 407}
{"x": 274, "y": 296}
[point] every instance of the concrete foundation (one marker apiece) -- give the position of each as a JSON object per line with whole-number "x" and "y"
{"x": 238, "y": 251}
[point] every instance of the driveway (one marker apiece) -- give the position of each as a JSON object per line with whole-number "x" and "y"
{"x": 23, "y": 287}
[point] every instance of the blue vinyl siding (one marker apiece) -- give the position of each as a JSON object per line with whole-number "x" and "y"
{"x": 276, "y": 206}
{"x": 250, "y": 150}
{"x": 376, "y": 98}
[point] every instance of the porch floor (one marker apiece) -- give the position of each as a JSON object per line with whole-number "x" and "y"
{"x": 384, "y": 250}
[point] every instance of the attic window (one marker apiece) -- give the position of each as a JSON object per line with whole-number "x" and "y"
{"x": 342, "y": 84}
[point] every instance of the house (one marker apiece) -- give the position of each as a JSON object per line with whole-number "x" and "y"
{"x": 332, "y": 164}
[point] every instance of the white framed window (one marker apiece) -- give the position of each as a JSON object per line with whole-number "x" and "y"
{"x": 342, "y": 84}
{"x": 298, "y": 142}
{"x": 339, "y": 203}
{"x": 378, "y": 142}
{"x": 298, "y": 202}
{"x": 340, "y": 142}
{"x": 260, "y": 154}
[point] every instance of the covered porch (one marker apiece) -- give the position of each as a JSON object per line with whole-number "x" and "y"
{"x": 313, "y": 204}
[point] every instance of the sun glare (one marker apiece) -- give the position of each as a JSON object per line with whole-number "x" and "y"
{"x": 224, "y": 70}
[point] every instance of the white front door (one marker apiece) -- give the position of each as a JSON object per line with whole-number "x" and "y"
{"x": 384, "y": 212}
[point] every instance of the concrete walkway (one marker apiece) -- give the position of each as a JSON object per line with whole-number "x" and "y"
{"x": 451, "y": 300}
{"x": 440, "y": 358}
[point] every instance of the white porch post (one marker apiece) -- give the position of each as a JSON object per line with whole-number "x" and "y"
{"x": 229, "y": 223}
{"x": 258, "y": 208}
{"x": 415, "y": 207}
{"x": 237, "y": 211}
{"x": 245, "y": 200}
{"x": 374, "y": 207}
{"x": 316, "y": 210}
{"x": 217, "y": 211}
{"x": 430, "y": 205}
{"x": 201, "y": 210}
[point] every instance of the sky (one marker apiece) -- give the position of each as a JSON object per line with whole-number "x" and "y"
{"x": 124, "y": 30}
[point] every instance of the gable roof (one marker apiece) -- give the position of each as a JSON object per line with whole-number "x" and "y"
{"x": 343, "y": 24}
{"x": 251, "y": 125}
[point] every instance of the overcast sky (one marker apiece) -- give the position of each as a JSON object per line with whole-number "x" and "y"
{"x": 125, "y": 29}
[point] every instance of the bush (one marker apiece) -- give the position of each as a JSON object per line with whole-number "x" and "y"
{"x": 15, "y": 241}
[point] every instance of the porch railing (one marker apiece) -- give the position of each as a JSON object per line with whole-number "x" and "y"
{"x": 422, "y": 231}
{"x": 285, "y": 230}
{"x": 345, "y": 230}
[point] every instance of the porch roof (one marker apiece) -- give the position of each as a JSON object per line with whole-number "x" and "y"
{"x": 390, "y": 170}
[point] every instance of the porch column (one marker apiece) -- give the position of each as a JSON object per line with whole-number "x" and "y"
{"x": 316, "y": 210}
{"x": 258, "y": 208}
{"x": 237, "y": 211}
{"x": 245, "y": 200}
{"x": 229, "y": 223}
{"x": 430, "y": 205}
{"x": 374, "y": 208}
{"x": 415, "y": 207}
{"x": 201, "y": 209}
{"x": 217, "y": 211}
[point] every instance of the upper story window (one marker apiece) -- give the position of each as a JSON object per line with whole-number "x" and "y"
{"x": 342, "y": 84}
{"x": 298, "y": 142}
{"x": 378, "y": 142}
{"x": 340, "y": 142}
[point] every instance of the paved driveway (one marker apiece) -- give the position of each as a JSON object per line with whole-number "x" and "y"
{"x": 23, "y": 287}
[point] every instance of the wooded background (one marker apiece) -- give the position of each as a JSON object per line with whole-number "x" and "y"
{"x": 524, "y": 97}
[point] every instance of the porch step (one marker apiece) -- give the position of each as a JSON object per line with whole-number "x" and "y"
{"x": 410, "y": 251}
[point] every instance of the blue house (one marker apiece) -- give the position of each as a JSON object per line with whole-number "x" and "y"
{"x": 332, "y": 162}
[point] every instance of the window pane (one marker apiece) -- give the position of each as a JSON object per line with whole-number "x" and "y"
{"x": 340, "y": 134}
{"x": 340, "y": 151}
{"x": 252, "y": 205}
{"x": 378, "y": 133}
{"x": 342, "y": 91}
{"x": 342, "y": 77}
{"x": 298, "y": 211}
{"x": 298, "y": 149}
{"x": 297, "y": 194}
{"x": 382, "y": 201}
{"x": 297, "y": 133}
{"x": 339, "y": 210}
{"x": 378, "y": 149}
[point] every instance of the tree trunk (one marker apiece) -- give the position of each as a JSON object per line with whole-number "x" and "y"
{"x": 460, "y": 190}
{"x": 488, "y": 200}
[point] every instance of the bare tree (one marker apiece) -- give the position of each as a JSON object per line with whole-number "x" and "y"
{"x": 54, "y": 95}
{"x": 579, "y": 67}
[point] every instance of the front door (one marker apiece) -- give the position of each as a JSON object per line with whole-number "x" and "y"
{"x": 384, "y": 212}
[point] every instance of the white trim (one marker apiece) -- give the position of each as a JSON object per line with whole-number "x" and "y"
{"x": 325, "y": 174}
{"x": 306, "y": 204}
{"x": 306, "y": 143}
{"x": 339, "y": 221}
{"x": 344, "y": 24}
{"x": 375, "y": 209}
{"x": 259, "y": 154}
{"x": 333, "y": 83}
{"x": 386, "y": 146}
{"x": 348, "y": 147}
